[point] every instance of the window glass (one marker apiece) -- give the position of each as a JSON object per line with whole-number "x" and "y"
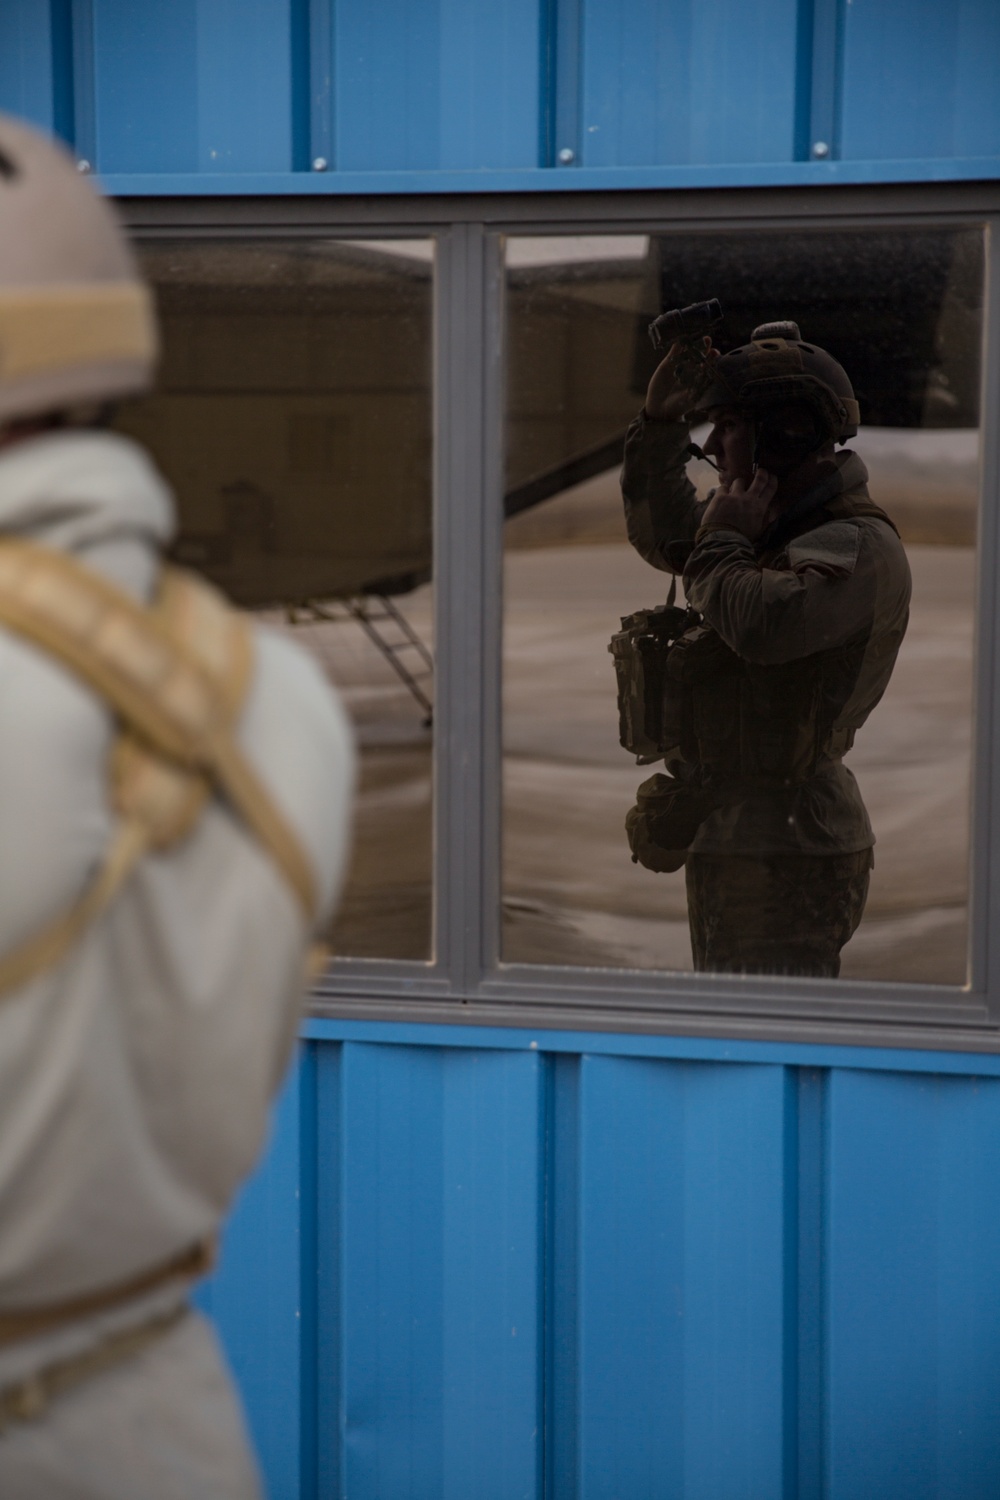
{"x": 782, "y": 737}
{"x": 293, "y": 419}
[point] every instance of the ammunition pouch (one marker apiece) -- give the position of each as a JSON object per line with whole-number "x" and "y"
{"x": 686, "y": 697}
{"x": 662, "y": 824}
{"x": 703, "y": 684}
{"x": 649, "y": 723}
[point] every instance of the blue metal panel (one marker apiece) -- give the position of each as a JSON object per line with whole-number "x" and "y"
{"x": 391, "y": 1268}
{"x": 681, "y": 1280}
{"x": 197, "y": 84}
{"x": 921, "y": 79}
{"x": 561, "y": 1370}
{"x": 822, "y": 25}
{"x": 914, "y": 1287}
{"x": 805, "y": 1303}
{"x": 255, "y": 1297}
{"x": 687, "y": 82}
{"x": 441, "y": 1268}
{"x": 698, "y": 1278}
{"x": 489, "y": 83}
{"x": 436, "y": 83}
{"x": 691, "y": 1048}
{"x": 312, "y": 60}
{"x": 593, "y": 179}
{"x": 26, "y": 60}
{"x": 322, "y": 1373}
{"x": 385, "y": 88}
{"x": 144, "y": 84}
{"x": 245, "y": 85}
{"x": 241, "y": 96}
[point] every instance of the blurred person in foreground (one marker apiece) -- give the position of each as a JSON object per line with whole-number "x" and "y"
{"x": 798, "y": 590}
{"x": 174, "y": 792}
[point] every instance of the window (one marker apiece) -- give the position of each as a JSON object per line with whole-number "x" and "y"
{"x": 493, "y": 880}
{"x": 901, "y": 311}
{"x": 293, "y": 419}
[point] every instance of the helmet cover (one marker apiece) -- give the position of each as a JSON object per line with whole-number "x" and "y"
{"x": 76, "y": 321}
{"x": 776, "y": 368}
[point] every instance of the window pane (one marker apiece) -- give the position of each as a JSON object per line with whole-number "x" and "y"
{"x": 293, "y": 419}
{"x": 748, "y": 723}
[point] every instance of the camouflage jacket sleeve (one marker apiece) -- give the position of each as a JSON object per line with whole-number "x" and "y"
{"x": 819, "y": 594}
{"x": 662, "y": 513}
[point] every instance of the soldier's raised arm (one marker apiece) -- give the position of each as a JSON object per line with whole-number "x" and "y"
{"x": 662, "y": 511}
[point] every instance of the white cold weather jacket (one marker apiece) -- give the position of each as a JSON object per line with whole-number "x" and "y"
{"x": 135, "y": 1077}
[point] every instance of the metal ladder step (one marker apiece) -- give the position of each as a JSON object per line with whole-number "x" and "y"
{"x": 360, "y": 609}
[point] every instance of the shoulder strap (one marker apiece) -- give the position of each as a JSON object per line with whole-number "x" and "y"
{"x": 167, "y": 673}
{"x": 47, "y": 948}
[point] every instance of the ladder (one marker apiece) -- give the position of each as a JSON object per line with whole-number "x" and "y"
{"x": 389, "y": 631}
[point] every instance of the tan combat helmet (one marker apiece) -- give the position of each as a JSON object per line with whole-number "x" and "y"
{"x": 76, "y": 322}
{"x": 779, "y": 366}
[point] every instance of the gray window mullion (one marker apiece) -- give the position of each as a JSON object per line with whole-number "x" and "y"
{"x": 467, "y": 572}
{"x": 984, "y": 887}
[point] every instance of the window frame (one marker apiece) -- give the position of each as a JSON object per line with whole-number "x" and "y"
{"x": 465, "y": 982}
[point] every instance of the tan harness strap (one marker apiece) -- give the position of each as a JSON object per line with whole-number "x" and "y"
{"x": 175, "y": 674}
{"x": 47, "y": 948}
{"x": 118, "y": 648}
{"x": 248, "y": 795}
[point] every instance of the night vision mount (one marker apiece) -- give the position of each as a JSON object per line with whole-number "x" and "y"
{"x": 685, "y": 323}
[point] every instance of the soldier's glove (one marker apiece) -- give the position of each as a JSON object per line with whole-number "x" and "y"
{"x": 662, "y": 824}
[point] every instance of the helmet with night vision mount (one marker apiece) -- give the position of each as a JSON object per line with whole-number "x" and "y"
{"x": 777, "y": 369}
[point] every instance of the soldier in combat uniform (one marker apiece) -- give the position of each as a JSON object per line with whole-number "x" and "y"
{"x": 173, "y": 819}
{"x": 803, "y": 589}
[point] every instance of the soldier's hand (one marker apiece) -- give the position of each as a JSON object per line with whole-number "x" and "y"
{"x": 748, "y": 508}
{"x": 679, "y": 379}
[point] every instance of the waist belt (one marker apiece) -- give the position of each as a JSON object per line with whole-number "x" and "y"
{"x": 25, "y": 1400}
{"x": 19, "y": 1324}
{"x": 28, "y": 1399}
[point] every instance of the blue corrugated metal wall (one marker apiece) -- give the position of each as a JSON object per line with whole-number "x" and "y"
{"x": 420, "y": 93}
{"x": 597, "y": 1267}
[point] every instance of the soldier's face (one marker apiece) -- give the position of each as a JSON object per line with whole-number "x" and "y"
{"x": 730, "y": 443}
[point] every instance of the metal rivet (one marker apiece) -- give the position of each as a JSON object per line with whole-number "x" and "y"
{"x": 83, "y": 165}
{"x": 820, "y": 148}
{"x": 567, "y": 155}
{"x": 320, "y": 164}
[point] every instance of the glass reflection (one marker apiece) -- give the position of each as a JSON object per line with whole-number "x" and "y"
{"x": 800, "y": 588}
{"x": 293, "y": 419}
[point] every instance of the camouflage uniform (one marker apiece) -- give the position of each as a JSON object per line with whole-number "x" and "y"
{"x": 812, "y": 613}
{"x": 789, "y": 915}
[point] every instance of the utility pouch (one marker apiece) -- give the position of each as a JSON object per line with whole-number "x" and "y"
{"x": 701, "y": 655}
{"x": 648, "y": 718}
{"x": 704, "y": 679}
{"x": 662, "y": 825}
